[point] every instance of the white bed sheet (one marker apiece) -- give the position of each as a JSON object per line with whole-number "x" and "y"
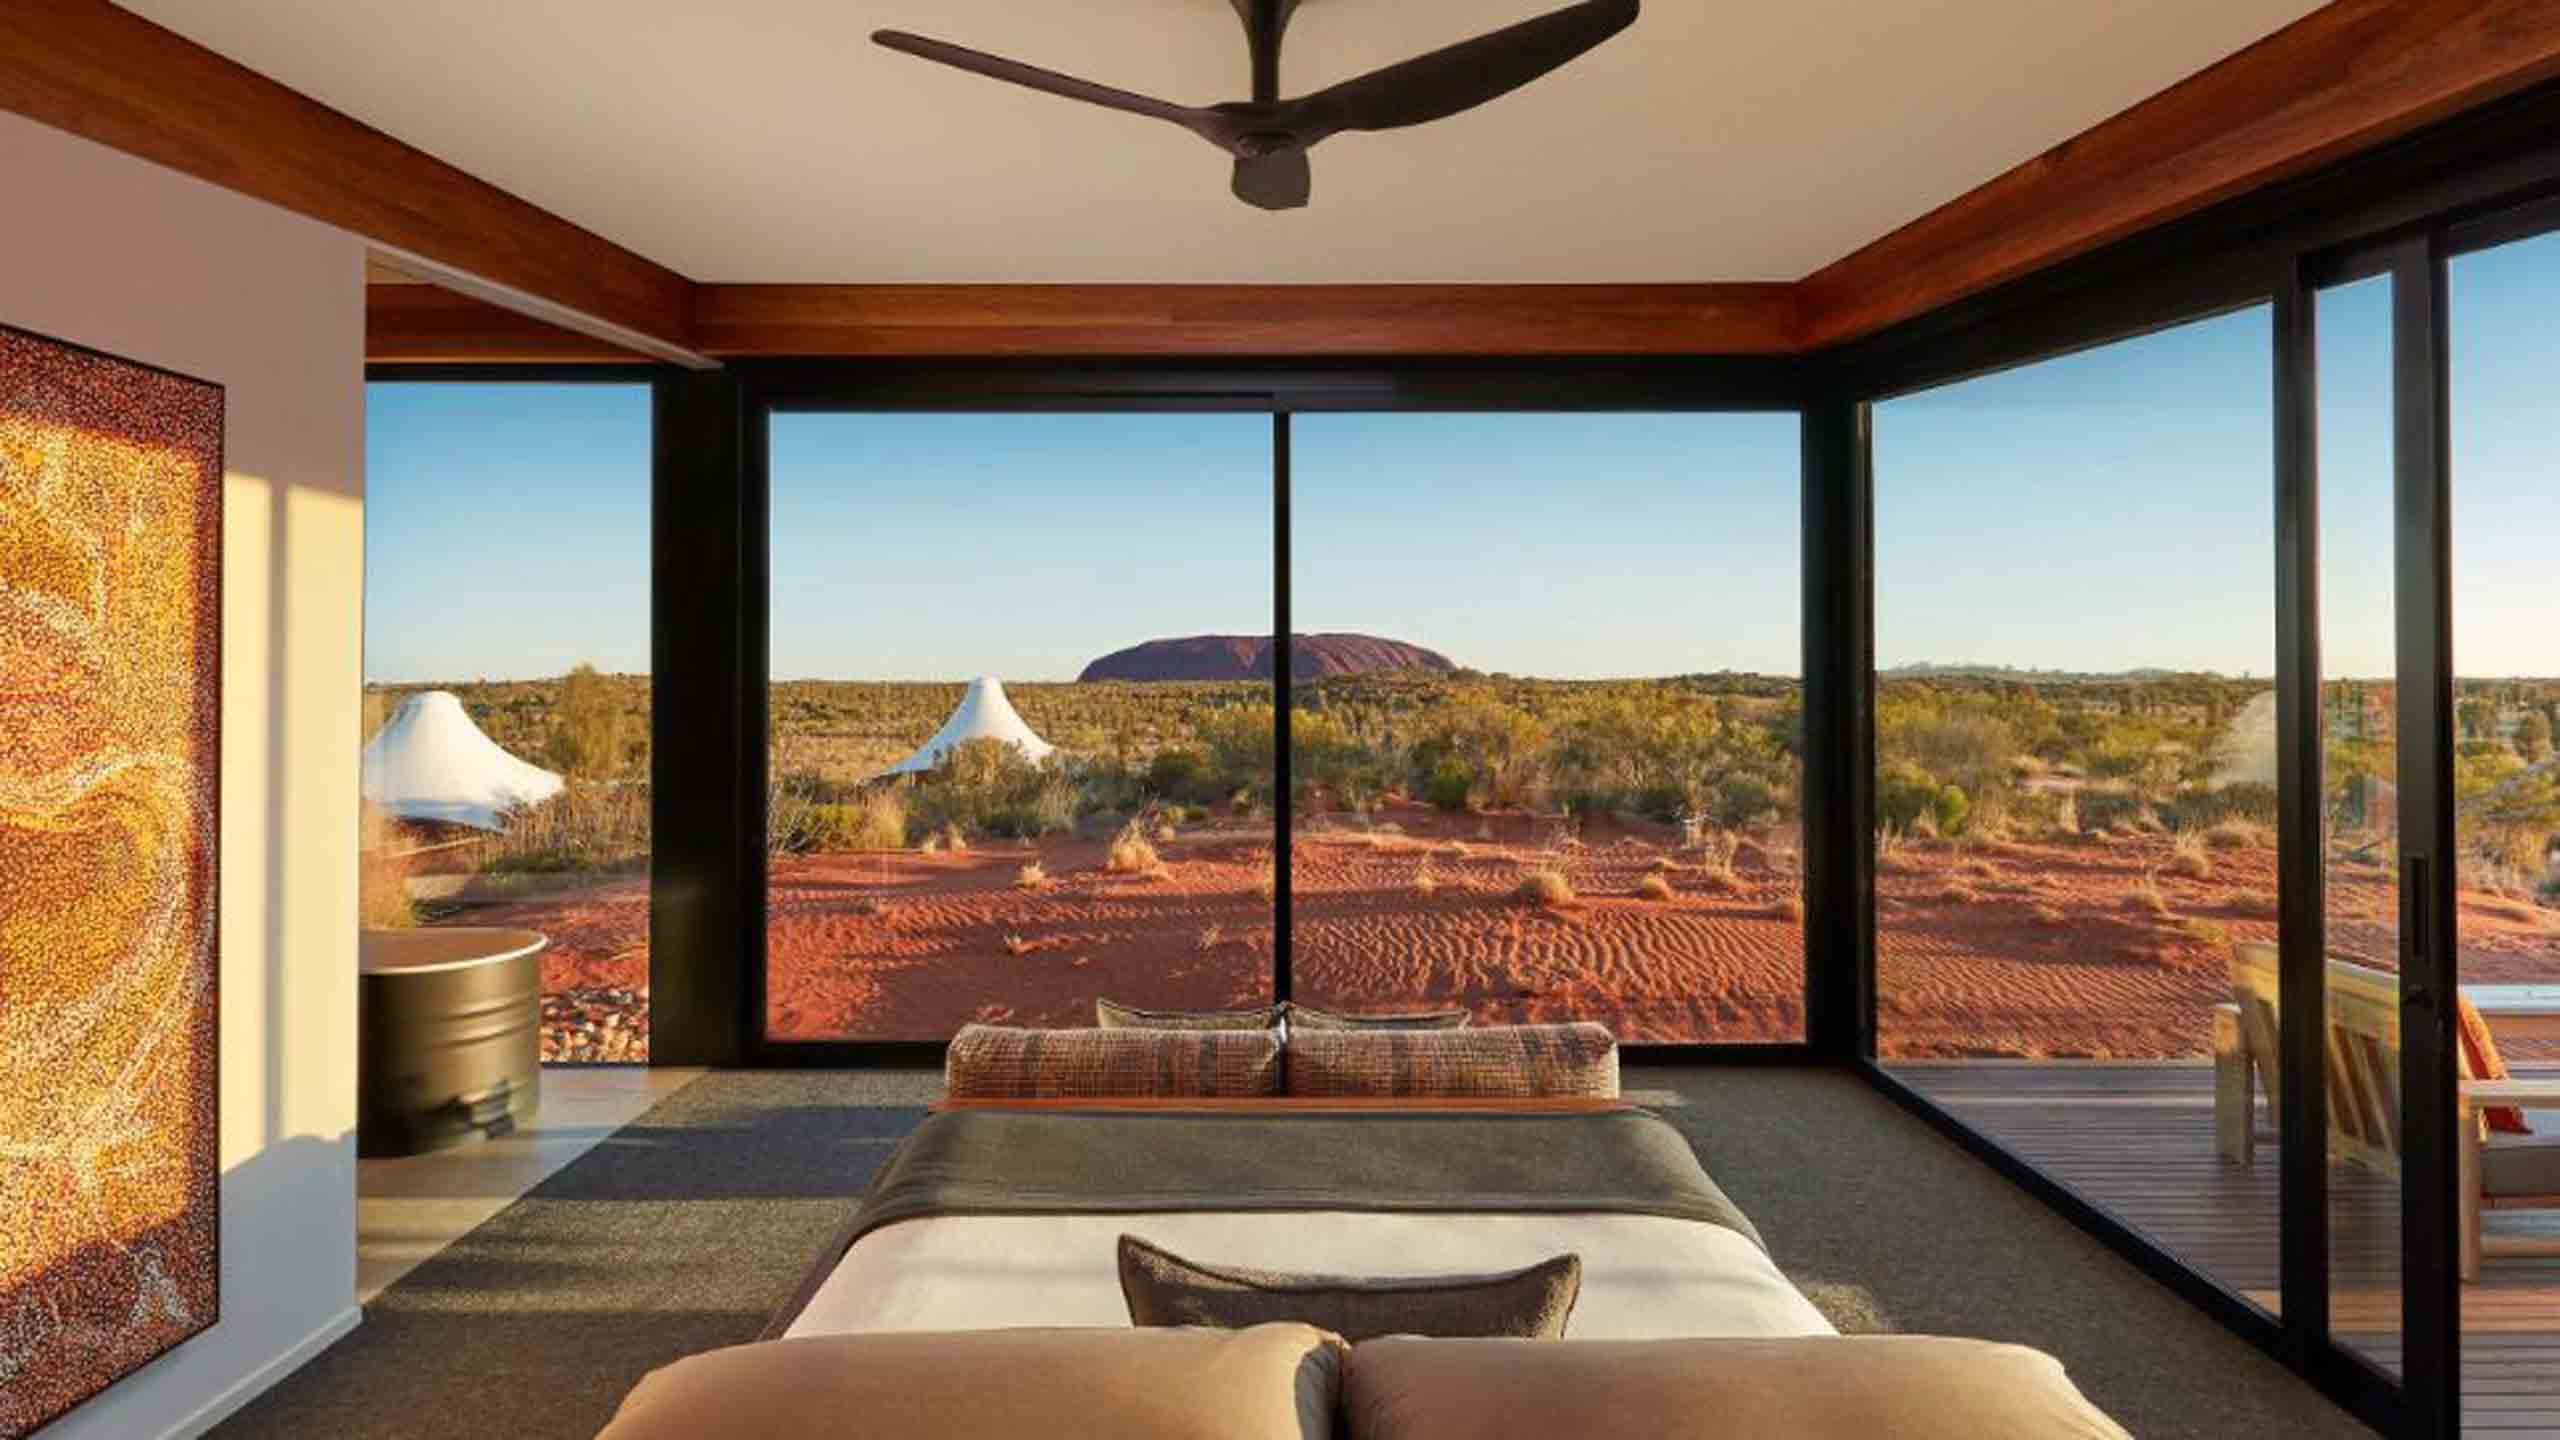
{"x": 1643, "y": 1276}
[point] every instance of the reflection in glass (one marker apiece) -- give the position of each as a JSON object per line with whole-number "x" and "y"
{"x": 2075, "y": 789}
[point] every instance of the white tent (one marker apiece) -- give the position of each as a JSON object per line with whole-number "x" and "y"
{"x": 431, "y": 763}
{"x": 984, "y": 714}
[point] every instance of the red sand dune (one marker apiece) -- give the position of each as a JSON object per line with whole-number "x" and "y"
{"x": 2033, "y": 950}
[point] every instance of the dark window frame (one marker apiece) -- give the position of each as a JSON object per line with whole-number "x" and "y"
{"x": 1282, "y": 390}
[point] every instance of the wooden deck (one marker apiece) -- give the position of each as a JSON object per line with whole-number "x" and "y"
{"x": 2137, "y": 1138}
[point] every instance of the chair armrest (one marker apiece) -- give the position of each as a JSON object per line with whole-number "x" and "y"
{"x": 2541, "y": 1091}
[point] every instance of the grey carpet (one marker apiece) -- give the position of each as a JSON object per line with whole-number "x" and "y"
{"x": 687, "y": 1227}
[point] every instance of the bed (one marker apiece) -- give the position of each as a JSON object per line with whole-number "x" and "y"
{"x": 1008, "y": 1215}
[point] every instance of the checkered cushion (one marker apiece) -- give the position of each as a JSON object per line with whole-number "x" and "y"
{"x": 995, "y": 1062}
{"x": 1508, "y": 1062}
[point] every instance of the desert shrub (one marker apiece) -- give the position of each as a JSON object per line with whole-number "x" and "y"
{"x": 2110, "y": 808}
{"x": 2189, "y": 856}
{"x": 986, "y": 787}
{"x": 1449, "y": 786}
{"x": 2238, "y": 834}
{"x": 1742, "y": 800}
{"x": 1503, "y": 746}
{"x": 878, "y": 823}
{"x": 1956, "y": 892}
{"x": 1904, "y": 793}
{"x": 2050, "y": 916}
{"x": 1547, "y": 887}
{"x": 1033, "y": 876}
{"x": 1180, "y": 772}
{"x": 382, "y": 874}
{"x": 1131, "y": 853}
{"x": 1789, "y": 908}
{"x": 1243, "y": 745}
{"x": 586, "y": 827}
{"x": 587, "y": 727}
{"x": 2211, "y": 932}
{"x": 1950, "y": 810}
{"x": 1654, "y": 887}
{"x": 2148, "y": 897}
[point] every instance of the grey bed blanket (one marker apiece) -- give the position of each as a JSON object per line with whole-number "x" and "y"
{"x": 1058, "y": 1162}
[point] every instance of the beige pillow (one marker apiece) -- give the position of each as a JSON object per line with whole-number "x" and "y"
{"x": 1307, "y": 1017}
{"x": 1112, "y": 1015}
{"x": 1508, "y": 1062}
{"x": 995, "y": 1062}
{"x": 1828, "y": 1387}
{"x": 1273, "y": 1382}
{"x": 1162, "y": 1288}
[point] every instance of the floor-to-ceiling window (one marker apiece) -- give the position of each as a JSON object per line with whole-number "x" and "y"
{"x": 1547, "y": 726}
{"x": 2076, "y": 858}
{"x": 2503, "y": 315}
{"x": 507, "y": 695}
{"x": 1022, "y": 749}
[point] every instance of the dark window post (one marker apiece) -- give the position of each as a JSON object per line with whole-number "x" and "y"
{"x": 707, "y": 762}
{"x": 1839, "y": 732}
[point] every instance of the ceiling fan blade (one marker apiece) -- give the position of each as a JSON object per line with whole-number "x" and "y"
{"x": 1204, "y": 123}
{"x": 1278, "y": 181}
{"x": 1460, "y": 77}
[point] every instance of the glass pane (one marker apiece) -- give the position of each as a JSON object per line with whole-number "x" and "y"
{"x": 2075, "y": 788}
{"x": 2505, "y": 319}
{"x": 1548, "y": 727}
{"x": 2359, "y": 723}
{"x": 506, "y": 702}
{"x": 1022, "y": 754}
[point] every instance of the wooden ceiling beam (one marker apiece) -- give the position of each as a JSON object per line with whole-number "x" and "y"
{"x": 2348, "y": 76}
{"x": 1243, "y": 320}
{"x": 95, "y": 70}
{"x": 406, "y": 323}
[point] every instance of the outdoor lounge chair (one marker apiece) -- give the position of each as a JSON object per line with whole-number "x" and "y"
{"x": 2497, "y": 1171}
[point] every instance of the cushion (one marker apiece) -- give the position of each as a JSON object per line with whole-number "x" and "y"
{"x": 1273, "y": 1382}
{"x": 1516, "y": 1062}
{"x": 1164, "y": 1289}
{"x": 995, "y": 1062}
{"x": 2529, "y": 1165}
{"x": 1112, "y": 1015}
{"x": 2480, "y": 1062}
{"x": 1307, "y": 1017}
{"x": 1829, "y": 1387}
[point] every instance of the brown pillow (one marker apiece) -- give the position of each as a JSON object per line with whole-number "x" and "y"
{"x": 1112, "y": 1015}
{"x": 993, "y": 1062}
{"x": 1164, "y": 1289}
{"x": 1307, "y": 1017}
{"x": 1274, "y": 1382}
{"x": 1509, "y": 1062}
{"x": 1825, "y": 1387}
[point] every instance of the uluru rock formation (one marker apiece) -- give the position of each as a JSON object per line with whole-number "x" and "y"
{"x": 1248, "y": 657}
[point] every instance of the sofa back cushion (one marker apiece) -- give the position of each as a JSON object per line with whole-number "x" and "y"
{"x": 1510, "y": 1062}
{"x": 1272, "y": 1382}
{"x": 1829, "y": 1387}
{"x": 995, "y": 1062}
{"x": 1162, "y": 1288}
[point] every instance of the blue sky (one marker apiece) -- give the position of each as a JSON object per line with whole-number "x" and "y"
{"x": 2097, "y": 511}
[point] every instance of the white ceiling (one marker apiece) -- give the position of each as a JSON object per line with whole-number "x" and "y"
{"x": 767, "y": 140}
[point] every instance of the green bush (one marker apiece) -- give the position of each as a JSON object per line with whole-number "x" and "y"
{"x": 986, "y": 787}
{"x": 1951, "y": 808}
{"x": 1449, "y": 785}
{"x": 1904, "y": 793}
{"x": 1181, "y": 773}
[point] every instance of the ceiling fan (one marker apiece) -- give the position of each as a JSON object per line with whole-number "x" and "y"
{"x": 1270, "y": 136}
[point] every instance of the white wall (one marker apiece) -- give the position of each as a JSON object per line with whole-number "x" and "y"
{"x": 141, "y": 262}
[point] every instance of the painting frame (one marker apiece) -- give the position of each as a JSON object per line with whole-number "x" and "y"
{"x": 60, "y": 1345}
